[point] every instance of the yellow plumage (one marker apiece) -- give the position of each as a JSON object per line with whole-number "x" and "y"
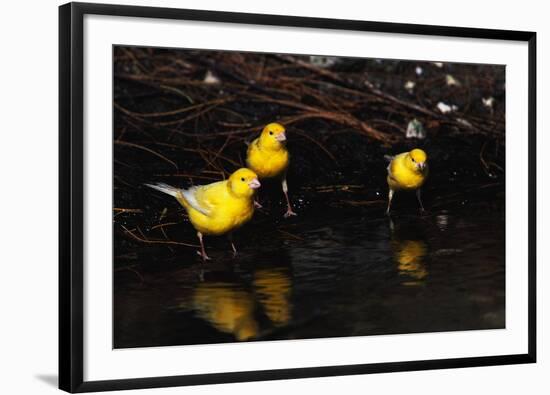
{"x": 407, "y": 171}
{"x": 268, "y": 157}
{"x": 223, "y": 211}
{"x": 220, "y": 207}
{"x": 403, "y": 176}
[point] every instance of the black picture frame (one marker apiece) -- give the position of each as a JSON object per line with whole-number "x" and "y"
{"x": 71, "y": 225}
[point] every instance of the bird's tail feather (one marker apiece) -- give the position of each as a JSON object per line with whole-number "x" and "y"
{"x": 165, "y": 188}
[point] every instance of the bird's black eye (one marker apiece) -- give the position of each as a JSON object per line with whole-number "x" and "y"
{"x": 242, "y": 178}
{"x": 413, "y": 160}
{"x": 271, "y": 133}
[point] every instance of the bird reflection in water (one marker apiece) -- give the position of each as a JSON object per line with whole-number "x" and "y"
{"x": 272, "y": 286}
{"x": 227, "y": 308}
{"x": 246, "y": 310}
{"x": 409, "y": 253}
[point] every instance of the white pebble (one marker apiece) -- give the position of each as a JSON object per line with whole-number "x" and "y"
{"x": 445, "y": 108}
{"x": 488, "y": 102}
{"x": 409, "y": 86}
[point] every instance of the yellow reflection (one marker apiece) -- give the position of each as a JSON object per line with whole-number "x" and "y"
{"x": 409, "y": 256}
{"x": 273, "y": 291}
{"x": 227, "y": 309}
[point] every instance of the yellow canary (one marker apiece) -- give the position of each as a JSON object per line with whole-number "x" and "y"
{"x": 268, "y": 157}
{"x": 226, "y": 308}
{"x": 407, "y": 171}
{"x": 218, "y": 208}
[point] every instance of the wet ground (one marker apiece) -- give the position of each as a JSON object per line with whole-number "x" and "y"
{"x": 335, "y": 272}
{"x": 341, "y": 267}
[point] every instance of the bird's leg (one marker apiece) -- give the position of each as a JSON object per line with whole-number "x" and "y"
{"x": 201, "y": 275}
{"x": 257, "y": 203}
{"x": 390, "y": 197}
{"x": 230, "y": 237}
{"x": 418, "y": 193}
{"x": 203, "y": 251}
{"x": 392, "y": 224}
{"x": 289, "y": 211}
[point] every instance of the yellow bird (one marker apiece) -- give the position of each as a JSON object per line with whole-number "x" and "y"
{"x": 407, "y": 171}
{"x": 218, "y": 208}
{"x": 268, "y": 157}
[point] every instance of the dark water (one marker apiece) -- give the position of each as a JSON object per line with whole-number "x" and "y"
{"x": 331, "y": 272}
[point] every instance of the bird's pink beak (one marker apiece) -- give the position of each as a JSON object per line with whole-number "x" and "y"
{"x": 281, "y": 137}
{"x": 254, "y": 184}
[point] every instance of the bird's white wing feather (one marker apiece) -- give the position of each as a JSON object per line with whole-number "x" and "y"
{"x": 190, "y": 196}
{"x": 165, "y": 188}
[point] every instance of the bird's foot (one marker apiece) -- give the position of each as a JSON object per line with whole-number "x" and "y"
{"x": 233, "y": 248}
{"x": 290, "y": 213}
{"x": 204, "y": 256}
{"x": 423, "y": 211}
{"x": 257, "y": 205}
